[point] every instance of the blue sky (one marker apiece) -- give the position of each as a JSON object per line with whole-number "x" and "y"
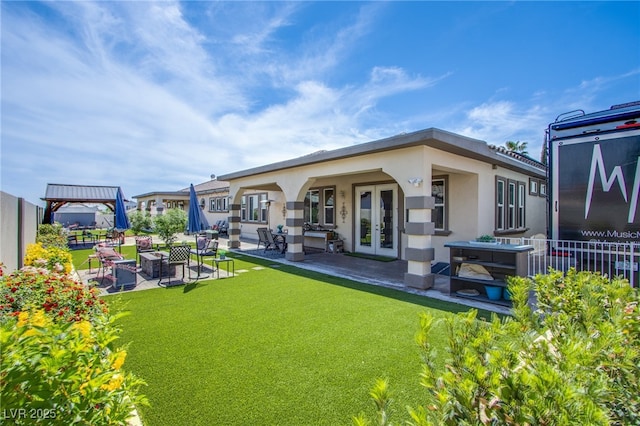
{"x": 153, "y": 96}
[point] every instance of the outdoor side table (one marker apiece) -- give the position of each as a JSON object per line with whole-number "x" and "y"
{"x": 217, "y": 261}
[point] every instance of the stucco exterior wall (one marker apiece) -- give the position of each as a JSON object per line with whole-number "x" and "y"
{"x": 470, "y": 191}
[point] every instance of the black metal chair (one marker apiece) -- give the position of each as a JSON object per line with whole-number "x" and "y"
{"x": 178, "y": 255}
{"x": 205, "y": 247}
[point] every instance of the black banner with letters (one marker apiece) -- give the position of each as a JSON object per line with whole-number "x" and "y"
{"x": 598, "y": 189}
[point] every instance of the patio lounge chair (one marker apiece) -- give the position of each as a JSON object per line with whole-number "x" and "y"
{"x": 265, "y": 237}
{"x": 178, "y": 255}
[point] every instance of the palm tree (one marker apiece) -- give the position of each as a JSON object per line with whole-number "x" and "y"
{"x": 517, "y": 146}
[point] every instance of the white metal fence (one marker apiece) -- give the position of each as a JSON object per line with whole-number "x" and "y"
{"x": 608, "y": 258}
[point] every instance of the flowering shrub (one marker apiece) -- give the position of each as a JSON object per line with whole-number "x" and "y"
{"x": 52, "y": 258}
{"x": 574, "y": 360}
{"x": 58, "y": 364}
{"x": 56, "y": 372}
{"x": 57, "y": 295}
{"x": 52, "y": 235}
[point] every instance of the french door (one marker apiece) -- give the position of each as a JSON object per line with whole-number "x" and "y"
{"x": 376, "y": 220}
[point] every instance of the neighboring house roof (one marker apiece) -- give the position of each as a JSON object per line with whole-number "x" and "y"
{"x": 208, "y": 187}
{"x": 162, "y": 193}
{"x": 80, "y": 193}
{"x": 436, "y": 138}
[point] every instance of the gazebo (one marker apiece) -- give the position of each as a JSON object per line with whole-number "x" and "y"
{"x": 57, "y": 195}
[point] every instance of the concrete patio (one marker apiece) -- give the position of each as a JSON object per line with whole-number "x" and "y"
{"x": 373, "y": 272}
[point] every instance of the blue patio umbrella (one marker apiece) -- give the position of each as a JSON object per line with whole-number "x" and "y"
{"x": 197, "y": 221}
{"x": 121, "y": 219}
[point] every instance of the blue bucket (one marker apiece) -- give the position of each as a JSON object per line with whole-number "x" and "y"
{"x": 493, "y": 292}
{"x": 506, "y": 294}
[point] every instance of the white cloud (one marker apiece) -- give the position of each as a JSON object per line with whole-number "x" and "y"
{"x": 156, "y": 95}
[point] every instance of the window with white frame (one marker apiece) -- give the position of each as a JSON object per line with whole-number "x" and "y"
{"x": 311, "y": 202}
{"x": 500, "y": 184}
{"x": 243, "y": 209}
{"x": 520, "y": 223}
{"x": 510, "y": 204}
{"x": 218, "y": 204}
{"x": 252, "y": 209}
{"x": 439, "y": 212}
{"x": 319, "y": 206}
{"x": 329, "y": 202}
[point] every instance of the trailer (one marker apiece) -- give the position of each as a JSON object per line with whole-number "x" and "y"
{"x": 594, "y": 175}
{"x": 594, "y": 189}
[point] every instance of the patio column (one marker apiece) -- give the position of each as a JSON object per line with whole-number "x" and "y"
{"x": 159, "y": 205}
{"x": 234, "y": 226}
{"x": 419, "y": 252}
{"x": 295, "y": 238}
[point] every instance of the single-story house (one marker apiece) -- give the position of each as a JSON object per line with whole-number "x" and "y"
{"x": 403, "y": 197}
{"x": 213, "y": 197}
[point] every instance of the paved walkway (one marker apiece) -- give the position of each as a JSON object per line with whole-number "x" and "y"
{"x": 386, "y": 274}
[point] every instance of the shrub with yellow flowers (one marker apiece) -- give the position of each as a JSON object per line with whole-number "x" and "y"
{"x": 52, "y": 258}
{"x": 56, "y": 372}
{"x": 58, "y": 363}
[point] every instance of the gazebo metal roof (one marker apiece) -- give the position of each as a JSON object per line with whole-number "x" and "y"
{"x": 57, "y": 195}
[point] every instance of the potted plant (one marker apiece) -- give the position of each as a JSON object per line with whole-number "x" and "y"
{"x": 484, "y": 239}
{"x": 222, "y": 254}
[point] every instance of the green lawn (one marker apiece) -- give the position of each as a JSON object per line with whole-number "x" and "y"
{"x": 274, "y": 345}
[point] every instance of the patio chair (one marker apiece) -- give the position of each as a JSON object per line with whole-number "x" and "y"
{"x": 178, "y": 255}
{"x": 223, "y": 228}
{"x": 143, "y": 245}
{"x": 205, "y": 247}
{"x": 265, "y": 237}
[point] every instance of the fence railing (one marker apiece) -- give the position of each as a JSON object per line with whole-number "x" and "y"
{"x": 608, "y": 258}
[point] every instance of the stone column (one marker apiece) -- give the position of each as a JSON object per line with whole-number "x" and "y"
{"x": 234, "y": 226}
{"x": 295, "y": 238}
{"x": 419, "y": 252}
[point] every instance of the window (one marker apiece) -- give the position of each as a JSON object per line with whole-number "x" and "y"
{"x": 218, "y": 204}
{"x": 253, "y": 208}
{"x": 521, "y": 210}
{"x": 319, "y": 206}
{"x": 439, "y": 212}
{"x": 511, "y": 204}
{"x": 262, "y": 200}
{"x": 311, "y": 201}
{"x": 500, "y": 204}
{"x": 543, "y": 189}
{"x": 533, "y": 186}
{"x": 328, "y": 205}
